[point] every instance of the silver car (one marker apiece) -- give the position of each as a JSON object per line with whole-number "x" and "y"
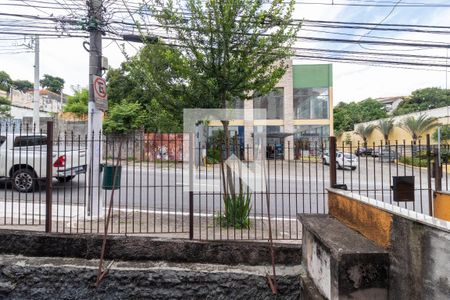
{"x": 343, "y": 160}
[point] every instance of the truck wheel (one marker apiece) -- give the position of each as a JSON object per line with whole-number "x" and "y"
{"x": 24, "y": 180}
{"x": 65, "y": 179}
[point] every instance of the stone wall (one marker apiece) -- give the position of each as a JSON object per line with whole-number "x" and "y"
{"x": 56, "y": 278}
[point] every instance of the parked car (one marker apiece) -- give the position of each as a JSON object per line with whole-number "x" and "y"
{"x": 361, "y": 151}
{"x": 343, "y": 160}
{"x": 23, "y": 159}
{"x": 387, "y": 155}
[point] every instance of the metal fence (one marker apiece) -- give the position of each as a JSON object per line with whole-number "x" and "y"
{"x": 49, "y": 190}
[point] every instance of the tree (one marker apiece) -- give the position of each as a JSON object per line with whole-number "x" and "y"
{"x": 423, "y": 99}
{"x": 234, "y": 49}
{"x": 445, "y": 134}
{"x": 124, "y": 118}
{"x": 155, "y": 77}
{"x": 364, "y": 132}
{"x": 346, "y": 115}
{"x": 22, "y": 85}
{"x": 5, "y": 108}
{"x": 78, "y": 103}
{"x": 385, "y": 126}
{"x": 5, "y": 81}
{"x": 52, "y": 83}
{"x": 417, "y": 126}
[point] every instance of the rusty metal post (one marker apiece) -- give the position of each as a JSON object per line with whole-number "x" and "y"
{"x": 49, "y": 177}
{"x": 429, "y": 174}
{"x": 332, "y": 154}
{"x": 191, "y": 186}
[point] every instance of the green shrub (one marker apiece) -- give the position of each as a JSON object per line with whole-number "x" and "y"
{"x": 213, "y": 156}
{"x": 124, "y": 118}
{"x": 416, "y": 161}
{"x": 445, "y": 155}
{"x": 237, "y": 212}
{"x": 422, "y": 154}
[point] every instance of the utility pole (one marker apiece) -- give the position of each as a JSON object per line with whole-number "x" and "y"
{"x": 36, "y": 101}
{"x": 94, "y": 203}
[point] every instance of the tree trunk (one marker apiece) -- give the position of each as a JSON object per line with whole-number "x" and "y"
{"x": 229, "y": 188}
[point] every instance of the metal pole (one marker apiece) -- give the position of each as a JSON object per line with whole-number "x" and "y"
{"x": 36, "y": 101}
{"x": 437, "y": 173}
{"x": 430, "y": 193}
{"x": 332, "y": 154}
{"x": 191, "y": 186}
{"x": 49, "y": 177}
{"x": 95, "y": 116}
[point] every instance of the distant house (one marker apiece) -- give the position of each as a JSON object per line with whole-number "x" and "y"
{"x": 390, "y": 103}
{"x": 49, "y": 102}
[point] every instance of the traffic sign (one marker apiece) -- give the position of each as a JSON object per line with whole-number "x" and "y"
{"x": 100, "y": 96}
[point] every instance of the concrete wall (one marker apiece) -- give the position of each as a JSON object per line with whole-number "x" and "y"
{"x": 398, "y": 134}
{"x": 442, "y": 205}
{"x": 418, "y": 245}
{"x": 87, "y": 246}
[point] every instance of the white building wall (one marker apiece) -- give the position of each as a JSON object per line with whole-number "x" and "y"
{"x": 441, "y": 113}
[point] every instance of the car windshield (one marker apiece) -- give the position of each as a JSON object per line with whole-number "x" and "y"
{"x": 348, "y": 156}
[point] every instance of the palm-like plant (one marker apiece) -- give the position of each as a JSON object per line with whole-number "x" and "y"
{"x": 364, "y": 132}
{"x": 417, "y": 126}
{"x": 385, "y": 126}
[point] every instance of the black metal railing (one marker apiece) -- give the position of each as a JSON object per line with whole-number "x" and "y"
{"x": 170, "y": 184}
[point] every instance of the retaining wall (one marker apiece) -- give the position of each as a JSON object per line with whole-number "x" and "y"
{"x": 63, "y": 278}
{"x": 31, "y": 243}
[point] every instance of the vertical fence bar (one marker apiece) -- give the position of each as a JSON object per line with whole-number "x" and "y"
{"x": 49, "y": 171}
{"x": 332, "y": 161}
{"x": 191, "y": 186}
{"x": 430, "y": 194}
{"x": 437, "y": 172}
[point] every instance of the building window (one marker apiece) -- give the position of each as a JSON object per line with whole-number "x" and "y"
{"x": 274, "y": 140}
{"x": 310, "y": 139}
{"x": 273, "y": 103}
{"x": 311, "y": 103}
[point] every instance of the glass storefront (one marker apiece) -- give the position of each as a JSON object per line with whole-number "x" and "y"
{"x": 311, "y": 103}
{"x": 274, "y": 140}
{"x": 310, "y": 139}
{"x": 273, "y": 102}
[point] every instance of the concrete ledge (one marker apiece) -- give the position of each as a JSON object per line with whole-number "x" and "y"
{"x": 341, "y": 262}
{"x": 395, "y": 210}
{"x": 132, "y": 248}
{"x": 336, "y": 236}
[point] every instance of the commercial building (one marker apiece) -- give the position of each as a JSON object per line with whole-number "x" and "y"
{"x": 299, "y": 111}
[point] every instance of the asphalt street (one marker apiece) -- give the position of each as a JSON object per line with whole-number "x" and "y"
{"x": 294, "y": 187}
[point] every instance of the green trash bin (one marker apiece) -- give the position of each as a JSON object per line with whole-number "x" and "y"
{"x": 108, "y": 175}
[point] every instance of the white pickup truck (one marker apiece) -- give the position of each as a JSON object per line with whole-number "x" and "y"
{"x": 23, "y": 159}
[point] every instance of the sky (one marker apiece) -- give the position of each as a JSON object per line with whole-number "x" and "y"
{"x": 67, "y": 58}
